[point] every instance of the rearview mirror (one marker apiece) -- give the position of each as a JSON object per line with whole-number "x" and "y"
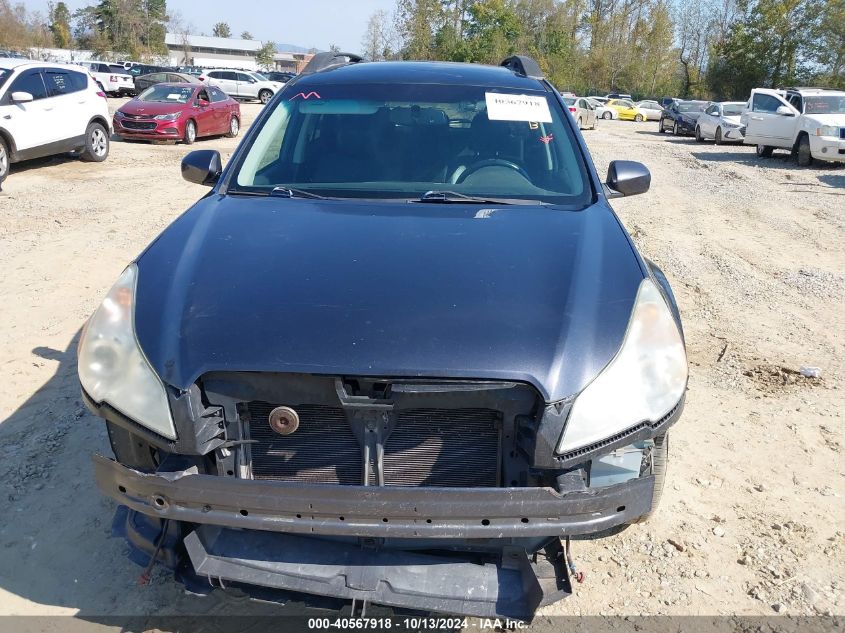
{"x": 21, "y": 97}
{"x": 627, "y": 178}
{"x": 202, "y": 166}
{"x": 784, "y": 111}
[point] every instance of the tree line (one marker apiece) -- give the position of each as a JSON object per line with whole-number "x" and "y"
{"x": 701, "y": 48}
{"x": 132, "y": 27}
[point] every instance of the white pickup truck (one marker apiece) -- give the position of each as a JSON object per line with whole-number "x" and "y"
{"x": 809, "y": 122}
{"x": 114, "y": 79}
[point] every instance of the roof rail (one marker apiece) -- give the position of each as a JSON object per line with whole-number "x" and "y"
{"x": 524, "y": 65}
{"x": 330, "y": 59}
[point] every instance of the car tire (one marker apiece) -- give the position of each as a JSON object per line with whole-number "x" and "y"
{"x": 5, "y": 160}
{"x": 580, "y": 123}
{"x": 265, "y": 95}
{"x": 96, "y": 143}
{"x": 698, "y": 137}
{"x": 190, "y": 133}
{"x": 676, "y": 130}
{"x": 638, "y": 118}
{"x": 719, "y": 140}
{"x": 607, "y": 116}
{"x": 805, "y": 157}
{"x": 657, "y": 467}
{"x": 660, "y": 128}
{"x": 234, "y": 127}
{"x": 764, "y": 151}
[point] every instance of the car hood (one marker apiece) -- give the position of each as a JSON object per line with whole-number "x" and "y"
{"x": 525, "y": 293}
{"x": 733, "y": 118}
{"x": 825, "y": 119}
{"x": 150, "y": 108}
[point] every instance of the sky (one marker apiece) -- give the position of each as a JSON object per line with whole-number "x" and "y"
{"x": 308, "y": 23}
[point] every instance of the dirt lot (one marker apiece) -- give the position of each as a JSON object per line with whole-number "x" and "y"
{"x": 753, "y": 519}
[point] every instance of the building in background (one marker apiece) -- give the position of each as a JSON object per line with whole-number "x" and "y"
{"x": 226, "y": 52}
{"x": 292, "y": 62}
{"x": 210, "y": 52}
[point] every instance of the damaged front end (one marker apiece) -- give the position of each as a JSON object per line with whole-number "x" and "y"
{"x": 430, "y": 495}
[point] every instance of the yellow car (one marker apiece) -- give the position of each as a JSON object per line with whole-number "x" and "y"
{"x": 627, "y": 110}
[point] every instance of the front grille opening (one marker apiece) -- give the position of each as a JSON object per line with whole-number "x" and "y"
{"x": 426, "y": 447}
{"x": 443, "y": 447}
{"x": 323, "y": 450}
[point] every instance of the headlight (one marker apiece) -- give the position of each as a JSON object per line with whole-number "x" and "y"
{"x": 119, "y": 114}
{"x": 728, "y": 124}
{"x": 827, "y": 130}
{"x": 167, "y": 117}
{"x": 643, "y": 382}
{"x": 112, "y": 367}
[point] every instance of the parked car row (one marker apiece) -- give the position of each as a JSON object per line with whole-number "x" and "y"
{"x": 807, "y": 122}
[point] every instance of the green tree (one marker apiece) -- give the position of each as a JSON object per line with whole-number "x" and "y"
{"x": 767, "y": 46}
{"x": 59, "y": 16}
{"x": 417, "y": 21}
{"x": 246, "y": 35}
{"x": 221, "y": 29}
{"x": 264, "y": 56}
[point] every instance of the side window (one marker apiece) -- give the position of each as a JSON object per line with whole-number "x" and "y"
{"x": 174, "y": 78}
{"x": 203, "y": 95}
{"x": 244, "y": 78}
{"x": 765, "y": 103}
{"x": 217, "y": 95}
{"x": 228, "y": 75}
{"x": 714, "y": 110}
{"x": 795, "y": 102}
{"x": 30, "y": 82}
{"x": 61, "y": 82}
{"x": 215, "y": 74}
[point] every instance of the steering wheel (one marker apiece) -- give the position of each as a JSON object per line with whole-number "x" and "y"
{"x": 491, "y": 162}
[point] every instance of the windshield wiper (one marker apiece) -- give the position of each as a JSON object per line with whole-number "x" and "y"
{"x": 447, "y": 197}
{"x": 290, "y": 192}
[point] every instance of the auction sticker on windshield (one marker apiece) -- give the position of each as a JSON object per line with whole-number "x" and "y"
{"x": 505, "y": 107}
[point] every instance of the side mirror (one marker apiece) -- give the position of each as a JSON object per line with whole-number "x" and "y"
{"x": 202, "y": 166}
{"x": 21, "y": 97}
{"x": 202, "y": 103}
{"x": 627, "y": 178}
{"x": 784, "y": 111}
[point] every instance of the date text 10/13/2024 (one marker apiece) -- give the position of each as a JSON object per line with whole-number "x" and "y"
{"x": 414, "y": 623}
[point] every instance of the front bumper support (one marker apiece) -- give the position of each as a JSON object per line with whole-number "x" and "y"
{"x": 512, "y": 588}
{"x": 373, "y": 511}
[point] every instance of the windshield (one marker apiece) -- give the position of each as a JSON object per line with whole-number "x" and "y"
{"x": 162, "y": 93}
{"x": 401, "y": 141}
{"x": 824, "y": 104}
{"x": 259, "y": 77}
{"x": 732, "y": 109}
{"x": 692, "y": 106}
{"x": 569, "y": 100}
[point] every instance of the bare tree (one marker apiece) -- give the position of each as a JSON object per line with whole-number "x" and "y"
{"x": 379, "y": 38}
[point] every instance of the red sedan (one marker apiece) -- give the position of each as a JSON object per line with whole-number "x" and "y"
{"x": 178, "y": 111}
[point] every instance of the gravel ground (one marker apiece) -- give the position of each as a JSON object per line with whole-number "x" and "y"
{"x": 752, "y": 520}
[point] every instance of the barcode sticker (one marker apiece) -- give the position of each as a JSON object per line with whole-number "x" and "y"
{"x": 505, "y": 107}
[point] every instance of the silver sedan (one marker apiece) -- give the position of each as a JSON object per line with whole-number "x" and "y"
{"x": 583, "y": 111}
{"x": 602, "y": 111}
{"x": 720, "y": 121}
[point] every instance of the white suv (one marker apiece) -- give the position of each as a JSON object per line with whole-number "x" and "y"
{"x": 113, "y": 79}
{"x": 50, "y": 109}
{"x": 242, "y": 84}
{"x": 809, "y": 122}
